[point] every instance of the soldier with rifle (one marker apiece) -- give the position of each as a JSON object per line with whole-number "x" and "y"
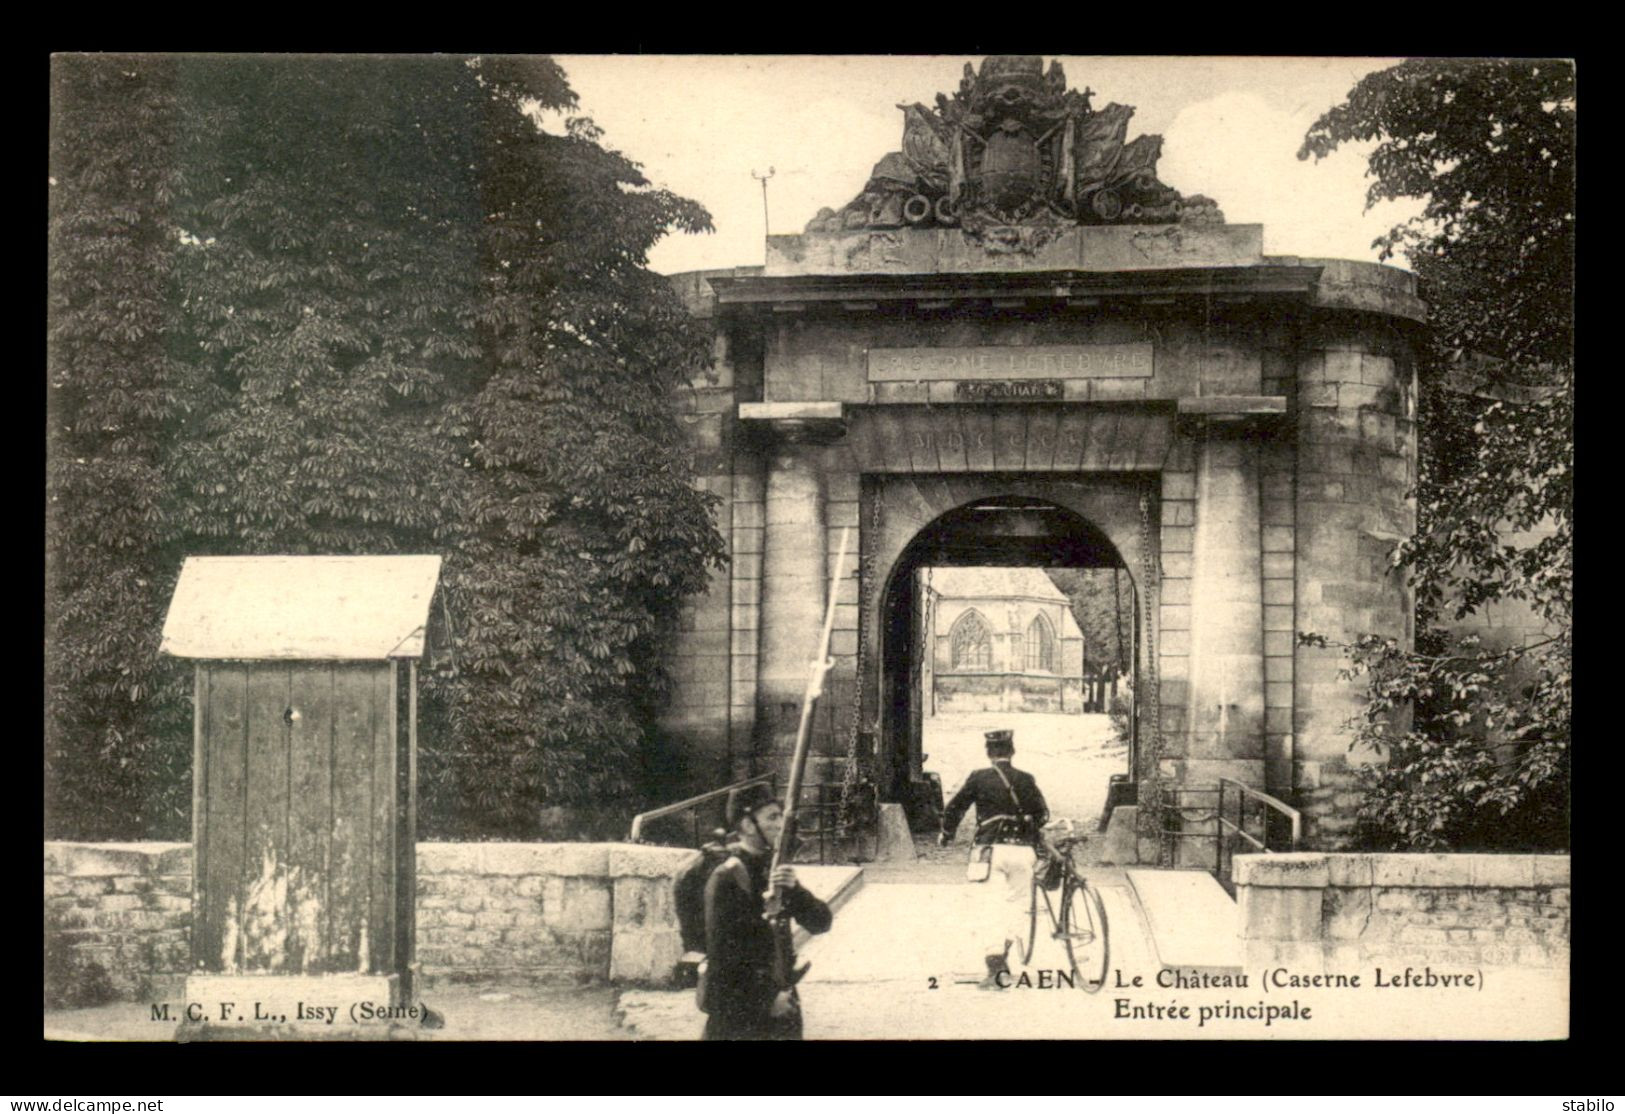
{"x": 746, "y": 956}
{"x": 748, "y": 988}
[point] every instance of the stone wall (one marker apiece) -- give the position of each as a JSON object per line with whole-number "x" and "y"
{"x": 1356, "y": 412}
{"x": 1346, "y": 912}
{"x": 126, "y": 907}
{"x": 537, "y": 913}
{"x": 548, "y": 912}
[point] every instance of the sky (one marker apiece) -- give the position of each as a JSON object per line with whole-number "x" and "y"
{"x": 703, "y": 125}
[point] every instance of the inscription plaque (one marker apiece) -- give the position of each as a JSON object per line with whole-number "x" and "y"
{"x": 1049, "y": 361}
{"x": 980, "y": 390}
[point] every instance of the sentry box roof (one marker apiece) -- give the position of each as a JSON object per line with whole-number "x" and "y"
{"x": 301, "y": 608}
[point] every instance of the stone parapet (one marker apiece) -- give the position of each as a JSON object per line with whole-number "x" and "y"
{"x": 548, "y": 913}
{"x": 1346, "y": 912}
{"x": 543, "y": 913}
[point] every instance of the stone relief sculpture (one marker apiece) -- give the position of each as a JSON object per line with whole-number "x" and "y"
{"x": 1015, "y": 148}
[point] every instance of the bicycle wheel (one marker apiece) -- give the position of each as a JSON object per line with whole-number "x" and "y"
{"x": 1083, "y": 931}
{"x": 1025, "y": 951}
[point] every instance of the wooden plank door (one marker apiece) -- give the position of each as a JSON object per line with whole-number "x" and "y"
{"x": 297, "y": 840}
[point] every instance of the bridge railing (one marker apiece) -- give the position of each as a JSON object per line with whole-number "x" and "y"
{"x": 1229, "y": 814}
{"x": 838, "y": 834}
{"x": 704, "y": 810}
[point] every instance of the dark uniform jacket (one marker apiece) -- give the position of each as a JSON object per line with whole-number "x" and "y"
{"x": 985, "y": 790}
{"x": 739, "y": 950}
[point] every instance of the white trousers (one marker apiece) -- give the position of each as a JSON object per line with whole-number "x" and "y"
{"x": 1013, "y": 875}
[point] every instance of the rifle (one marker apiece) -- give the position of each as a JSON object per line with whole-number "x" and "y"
{"x": 775, "y": 913}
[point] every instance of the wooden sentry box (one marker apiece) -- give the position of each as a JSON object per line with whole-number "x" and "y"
{"x": 305, "y": 750}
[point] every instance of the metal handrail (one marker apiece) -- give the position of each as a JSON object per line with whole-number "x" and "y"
{"x": 1275, "y": 803}
{"x": 1222, "y": 827}
{"x": 666, "y": 810}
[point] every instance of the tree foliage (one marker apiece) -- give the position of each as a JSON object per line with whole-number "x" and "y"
{"x": 1102, "y": 602}
{"x": 363, "y": 306}
{"x": 1489, "y": 145}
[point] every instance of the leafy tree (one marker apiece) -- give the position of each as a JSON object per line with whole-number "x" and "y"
{"x": 1102, "y": 602}
{"x": 364, "y": 306}
{"x": 1489, "y": 145}
{"x": 117, "y": 757}
{"x": 583, "y": 526}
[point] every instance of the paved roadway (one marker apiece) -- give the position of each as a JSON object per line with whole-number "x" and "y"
{"x": 871, "y": 979}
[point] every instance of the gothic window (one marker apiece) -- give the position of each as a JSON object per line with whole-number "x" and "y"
{"x": 1040, "y": 646}
{"x": 972, "y": 643}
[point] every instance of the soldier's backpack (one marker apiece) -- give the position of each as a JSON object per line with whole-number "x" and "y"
{"x": 703, "y": 985}
{"x": 690, "y": 901}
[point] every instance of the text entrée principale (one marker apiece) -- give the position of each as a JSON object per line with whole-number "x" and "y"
{"x": 1268, "y": 981}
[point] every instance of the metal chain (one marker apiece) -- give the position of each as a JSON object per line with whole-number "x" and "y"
{"x": 1151, "y": 795}
{"x": 855, "y": 771}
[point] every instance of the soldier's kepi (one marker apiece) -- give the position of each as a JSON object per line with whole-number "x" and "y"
{"x": 1010, "y": 810}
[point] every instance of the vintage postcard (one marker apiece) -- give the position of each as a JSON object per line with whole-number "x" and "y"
{"x": 807, "y": 547}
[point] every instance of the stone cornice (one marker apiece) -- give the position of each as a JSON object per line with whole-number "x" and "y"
{"x": 1071, "y": 289}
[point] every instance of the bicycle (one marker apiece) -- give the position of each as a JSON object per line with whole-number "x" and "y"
{"x": 1081, "y": 923}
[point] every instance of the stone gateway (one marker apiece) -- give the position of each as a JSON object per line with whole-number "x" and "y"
{"x": 1017, "y": 347}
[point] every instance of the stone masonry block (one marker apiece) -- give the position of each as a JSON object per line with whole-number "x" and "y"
{"x": 1278, "y": 591}
{"x": 1343, "y": 367}
{"x": 1395, "y": 901}
{"x": 1296, "y": 869}
{"x": 648, "y": 956}
{"x": 635, "y": 861}
{"x": 1501, "y": 871}
{"x": 1279, "y": 565}
{"x": 448, "y": 858}
{"x": 1278, "y": 617}
{"x": 1347, "y": 913}
{"x": 101, "y": 860}
{"x": 1175, "y": 618}
{"x": 584, "y": 906}
{"x": 1419, "y": 870}
{"x": 842, "y": 486}
{"x": 1277, "y": 539}
{"x": 1271, "y": 913}
{"x": 1348, "y": 870}
{"x": 1376, "y": 371}
{"x": 1551, "y": 870}
{"x": 1317, "y": 394}
{"x": 1178, "y": 485}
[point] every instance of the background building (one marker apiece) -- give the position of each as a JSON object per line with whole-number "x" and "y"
{"x": 1003, "y": 640}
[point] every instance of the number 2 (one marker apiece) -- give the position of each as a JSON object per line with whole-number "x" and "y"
{"x": 931, "y": 982}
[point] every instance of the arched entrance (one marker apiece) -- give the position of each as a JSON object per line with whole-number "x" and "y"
{"x": 1007, "y": 523}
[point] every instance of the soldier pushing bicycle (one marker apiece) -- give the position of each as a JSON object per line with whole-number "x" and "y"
{"x": 1010, "y": 810}
{"x": 1010, "y": 841}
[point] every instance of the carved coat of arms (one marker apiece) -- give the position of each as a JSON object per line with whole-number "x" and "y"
{"x": 1013, "y": 151}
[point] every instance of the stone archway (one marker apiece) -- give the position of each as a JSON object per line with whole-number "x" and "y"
{"x": 914, "y": 521}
